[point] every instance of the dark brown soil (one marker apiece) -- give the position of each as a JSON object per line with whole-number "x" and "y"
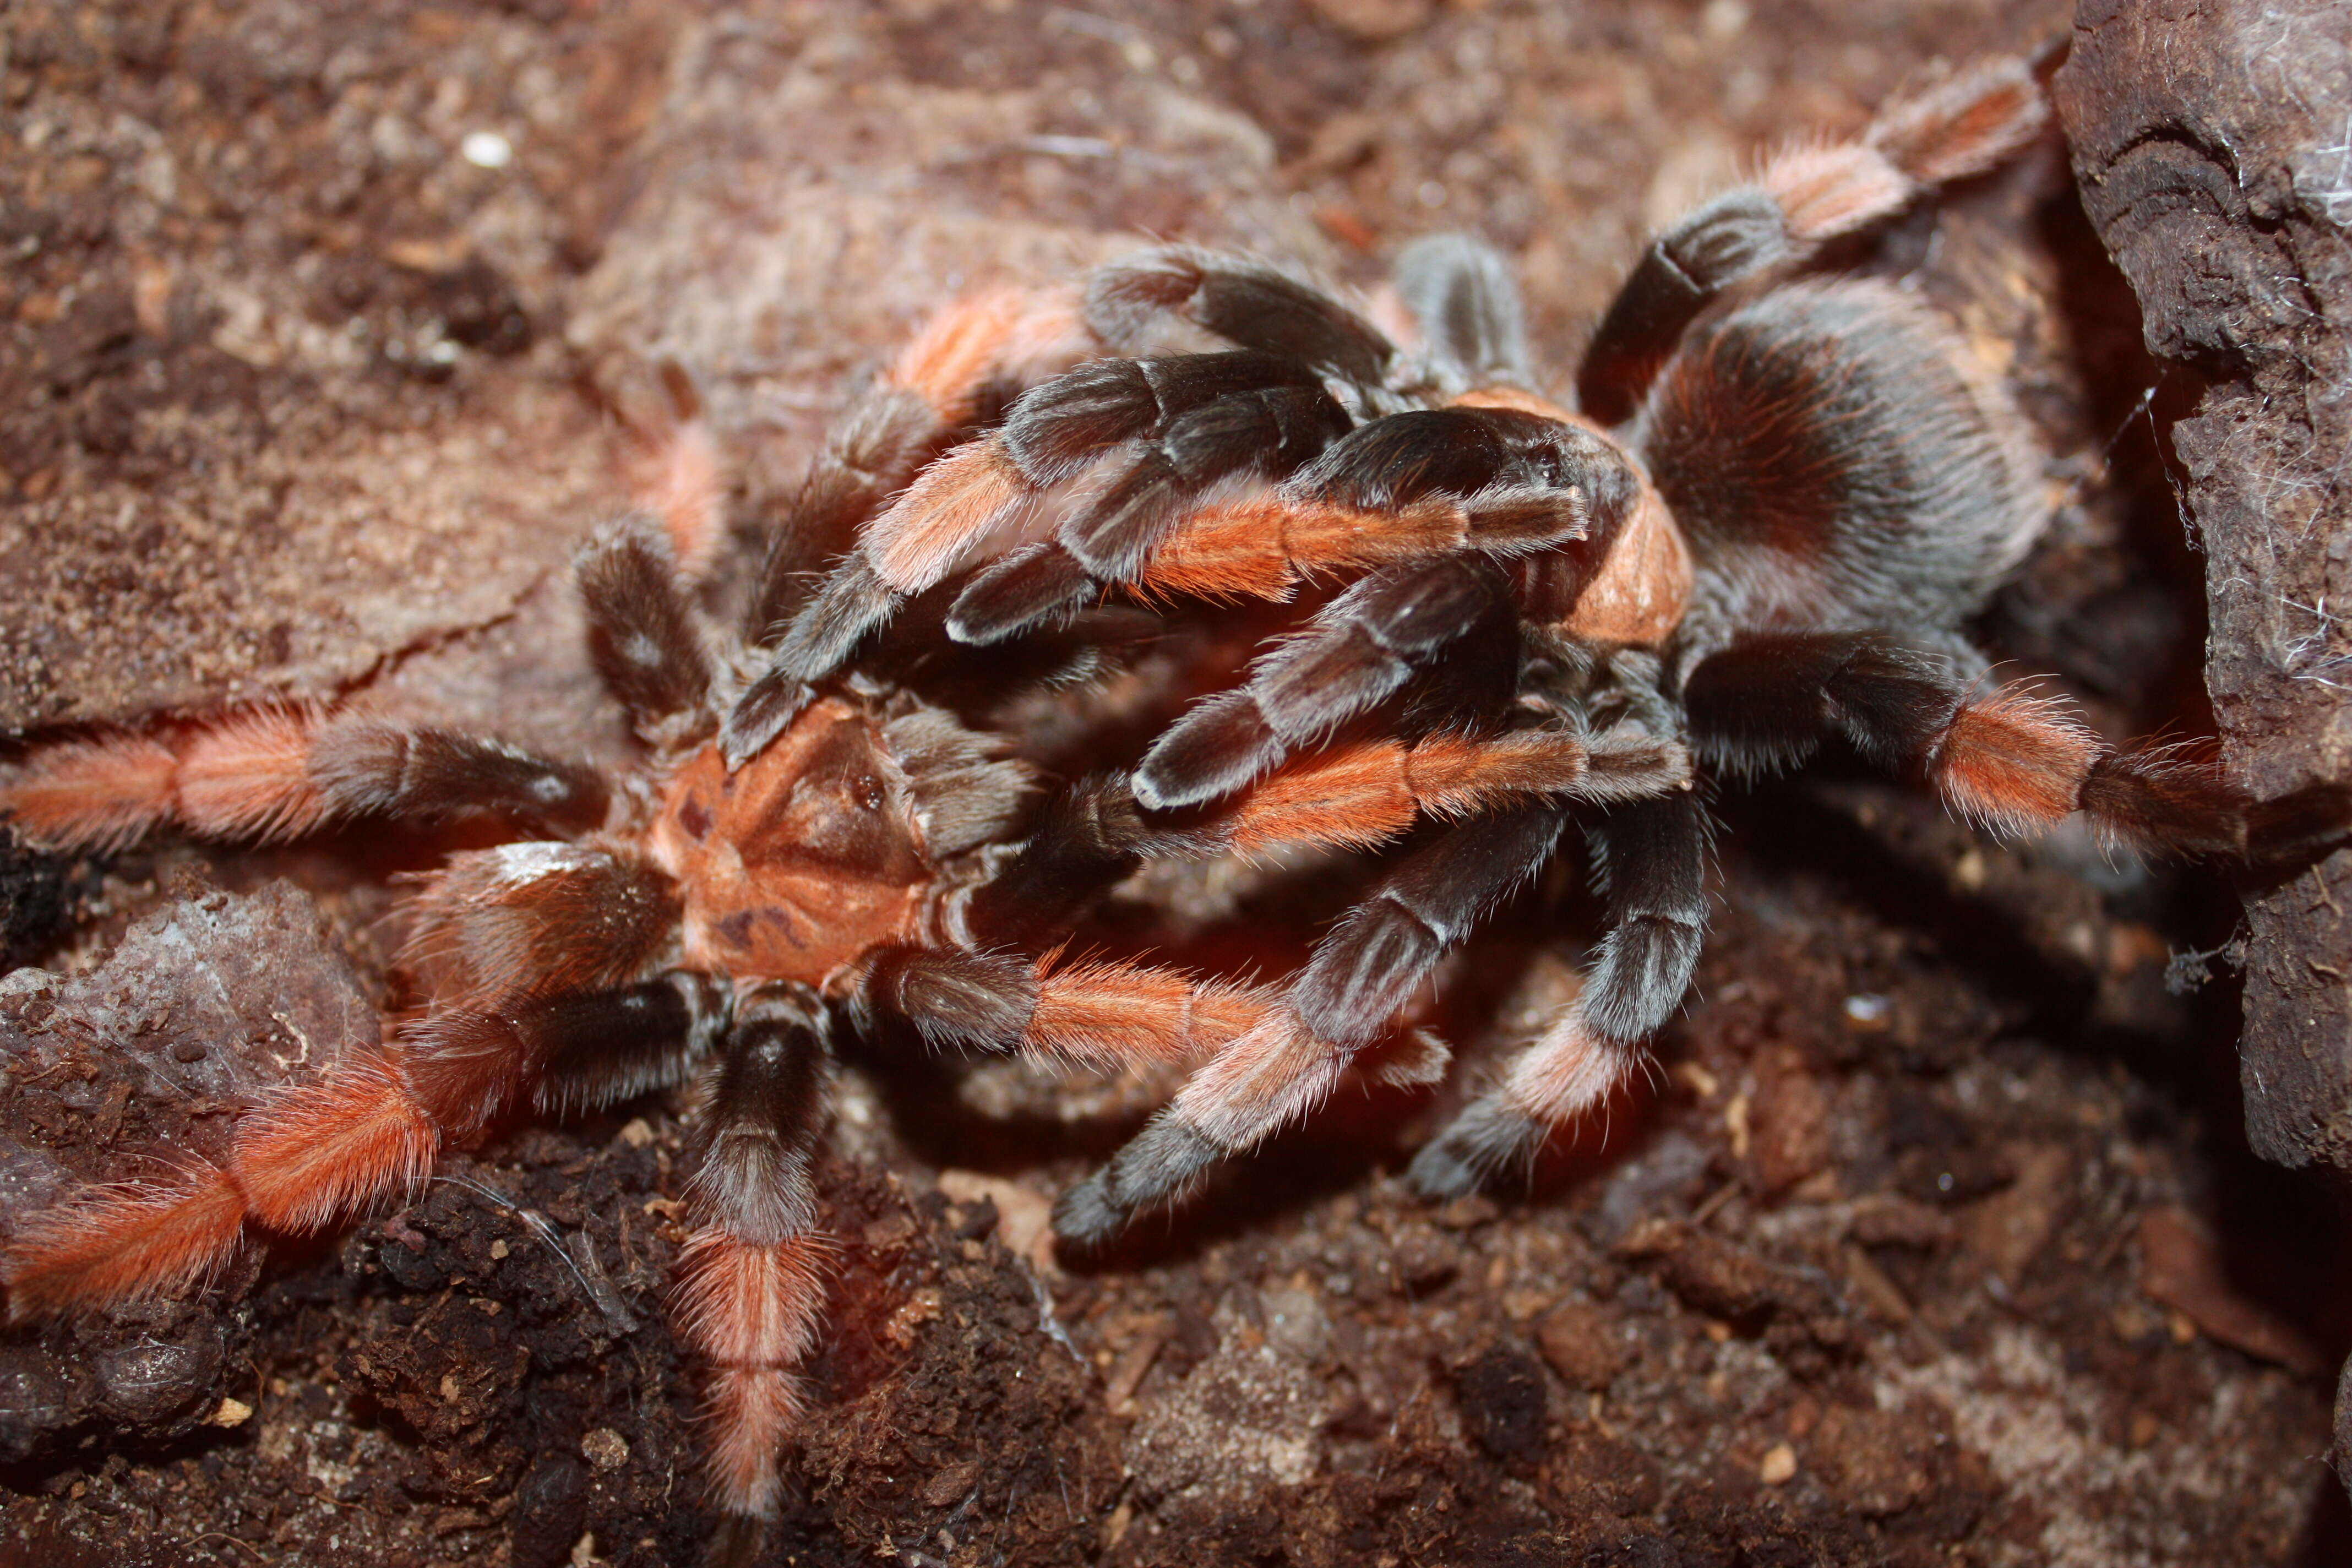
{"x": 1935, "y": 1241}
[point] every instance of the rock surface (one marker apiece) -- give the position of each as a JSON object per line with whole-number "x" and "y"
{"x": 2214, "y": 147}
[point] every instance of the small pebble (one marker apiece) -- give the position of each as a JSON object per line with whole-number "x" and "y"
{"x": 606, "y": 1448}
{"x": 1778, "y": 1466}
{"x": 486, "y": 150}
{"x": 1868, "y": 1010}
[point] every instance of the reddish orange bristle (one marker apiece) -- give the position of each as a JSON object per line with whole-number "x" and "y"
{"x": 1228, "y": 552}
{"x": 747, "y": 1305}
{"x": 1827, "y": 191}
{"x": 934, "y": 526}
{"x": 1103, "y": 1013}
{"x": 113, "y": 1243}
{"x": 684, "y": 482}
{"x": 248, "y": 776}
{"x": 96, "y": 794}
{"x": 2014, "y": 761}
{"x": 319, "y": 1149}
{"x": 750, "y": 1410}
{"x": 1451, "y": 774}
{"x": 1356, "y": 796}
{"x": 1010, "y": 334}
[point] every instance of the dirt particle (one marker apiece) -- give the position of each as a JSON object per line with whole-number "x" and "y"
{"x": 1778, "y": 1466}
{"x": 1585, "y": 1343}
{"x": 952, "y": 1485}
{"x": 1502, "y": 1397}
{"x": 604, "y": 1448}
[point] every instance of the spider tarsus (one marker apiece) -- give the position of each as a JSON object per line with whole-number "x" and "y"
{"x": 1221, "y": 744}
{"x": 767, "y": 708}
{"x": 1469, "y": 302}
{"x": 1486, "y": 1138}
{"x": 1155, "y": 1165}
{"x": 2292, "y": 832}
{"x": 1032, "y": 586}
{"x": 853, "y": 603}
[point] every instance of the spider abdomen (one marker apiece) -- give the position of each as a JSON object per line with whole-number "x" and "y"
{"x": 1830, "y": 459}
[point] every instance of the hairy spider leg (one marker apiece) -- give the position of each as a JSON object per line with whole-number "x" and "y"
{"x": 1361, "y": 648}
{"x": 1364, "y": 794}
{"x": 1095, "y": 1011}
{"x": 1469, "y": 480}
{"x": 1261, "y": 411}
{"x": 1650, "y": 860}
{"x": 310, "y": 1155}
{"x": 1504, "y": 481}
{"x": 750, "y": 1295}
{"x": 267, "y": 773}
{"x": 2009, "y": 760}
{"x": 644, "y": 637}
{"x": 672, "y": 467}
{"x": 1361, "y": 975}
{"x": 977, "y": 349}
{"x": 1265, "y": 430}
{"x": 1805, "y": 197}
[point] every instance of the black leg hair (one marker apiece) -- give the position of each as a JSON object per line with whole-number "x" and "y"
{"x": 1765, "y": 704}
{"x": 853, "y": 604}
{"x": 1651, "y": 856}
{"x": 1250, "y": 305}
{"x": 1270, "y": 432}
{"x": 618, "y": 1045}
{"x": 2286, "y": 836}
{"x": 1349, "y": 993}
{"x": 1734, "y": 236}
{"x": 872, "y": 452}
{"x": 1361, "y": 648}
{"x": 569, "y": 1053}
{"x": 365, "y": 767}
{"x": 641, "y": 633}
{"x": 1527, "y": 482}
{"x": 1061, "y": 427}
{"x": 1244, "y": 301}
{"x": 751, "y": 1147}
{"x": 1087, "y": 837}
{"x": 1366, "y": 968}
{"x": 962, "y": 1001}
{"x": 1467, "y": 305}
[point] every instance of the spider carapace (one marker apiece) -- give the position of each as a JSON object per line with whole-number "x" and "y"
{"x": 1780, "y": 496}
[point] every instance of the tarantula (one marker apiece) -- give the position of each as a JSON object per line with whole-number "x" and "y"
{"x": 1781, "y": 498}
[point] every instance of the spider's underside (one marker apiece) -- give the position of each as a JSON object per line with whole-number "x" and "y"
{"x": 1781, "y": 494}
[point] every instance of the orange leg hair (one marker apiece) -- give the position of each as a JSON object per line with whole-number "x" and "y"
{"x": 275, "y": 773}
{"x": 1365, "y": 794}
{"x": 1013, "y": 338}
{"x": 307, "y": 1156}
{"x": 751, "y": 1288}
